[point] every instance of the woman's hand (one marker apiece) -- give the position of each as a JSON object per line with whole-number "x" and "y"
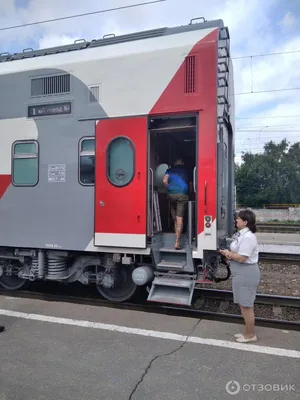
{"x": 233, "y": 256}
{"x": 226, "y": 253}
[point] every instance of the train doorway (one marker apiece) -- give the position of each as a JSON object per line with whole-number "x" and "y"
{"x": 170, "y": 138}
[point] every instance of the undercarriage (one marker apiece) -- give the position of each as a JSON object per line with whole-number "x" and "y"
{"x": 117, "y": 277}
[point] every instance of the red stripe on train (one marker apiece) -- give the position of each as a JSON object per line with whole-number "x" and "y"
{"x": 4, "y": 183}
{"x": 202, "y": 99}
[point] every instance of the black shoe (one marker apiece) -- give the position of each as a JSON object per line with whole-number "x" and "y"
{"x": 2, "y": 328}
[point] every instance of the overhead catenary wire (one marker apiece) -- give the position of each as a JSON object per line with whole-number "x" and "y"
{"x": 133, "y": 6}
{"x": 268, "y": 91}
{"x": 160, "y": 1}
{"x": 268, "y": 131}
{"x": 272, "y": 116}
{"x": 269, "y": 126}
{"x": 83, "y": 14}
{"x": 267, "y": 54}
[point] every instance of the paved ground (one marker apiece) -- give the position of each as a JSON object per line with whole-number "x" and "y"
{"x": 65, "y": 351}
{"x": 288, "y": 243}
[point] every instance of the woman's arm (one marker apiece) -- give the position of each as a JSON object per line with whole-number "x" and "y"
{"x": 231, "y": 255}
{"x": 245, "y": 250}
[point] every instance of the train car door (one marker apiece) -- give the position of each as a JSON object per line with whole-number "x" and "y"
{"x": 121, "y": 182}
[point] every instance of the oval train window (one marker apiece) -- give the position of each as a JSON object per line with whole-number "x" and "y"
{"x": 120, "y": 161}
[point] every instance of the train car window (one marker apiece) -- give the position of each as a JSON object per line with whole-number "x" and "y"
{"x": 87, "y": 161}
{"x": 120, "y": 161}
{"x": 25, "y": 163}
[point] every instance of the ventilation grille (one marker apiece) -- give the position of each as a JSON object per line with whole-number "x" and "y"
{"x": 59, "y": 84}
{"x": 190, "y": 74}
{"x": 94, "y": 94}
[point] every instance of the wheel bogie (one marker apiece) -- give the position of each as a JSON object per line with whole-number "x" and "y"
{"x": 112, "y": 279}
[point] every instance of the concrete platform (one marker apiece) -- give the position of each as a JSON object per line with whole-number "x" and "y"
{"x": 285, "y": 243}
{"x": 66, "y": 351}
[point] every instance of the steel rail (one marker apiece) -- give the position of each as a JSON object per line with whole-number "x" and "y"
{"x": 277, "y": 224}
{"x": 261, "y": 298}
{"x": 163, "y": 309}
{"x": 279, "y": 257}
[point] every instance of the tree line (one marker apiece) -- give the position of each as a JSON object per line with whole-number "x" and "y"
{"x": 272, "y": 177}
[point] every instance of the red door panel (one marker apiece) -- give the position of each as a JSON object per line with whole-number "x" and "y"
{"x": 121, "y": 182}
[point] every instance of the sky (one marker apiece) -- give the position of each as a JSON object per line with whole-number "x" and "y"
{"x": 257, "y": 28}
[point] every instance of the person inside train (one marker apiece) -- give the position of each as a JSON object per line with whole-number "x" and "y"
{"x": 245, "y": 271}
{"x": 177, "y": 181}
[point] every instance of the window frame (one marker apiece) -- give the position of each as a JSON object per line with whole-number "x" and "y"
{"x": 25, "y": 156}
{"x": 107, "y": 160}
{"x": 82, "y": 153}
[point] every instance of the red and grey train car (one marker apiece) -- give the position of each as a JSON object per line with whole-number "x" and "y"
{"x": 87, "y": 131}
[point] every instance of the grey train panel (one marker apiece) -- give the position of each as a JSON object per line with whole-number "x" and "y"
{"x": 49, "y": 215}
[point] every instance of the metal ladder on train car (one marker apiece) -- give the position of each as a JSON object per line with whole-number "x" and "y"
{"x": 223, "y": 76}
{"x": 224, "y": 103}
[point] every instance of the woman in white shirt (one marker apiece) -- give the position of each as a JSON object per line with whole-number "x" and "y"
{"x": 243, "y": 256}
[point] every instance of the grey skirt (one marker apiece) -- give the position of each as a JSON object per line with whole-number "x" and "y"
{"x": 245, "y": 281}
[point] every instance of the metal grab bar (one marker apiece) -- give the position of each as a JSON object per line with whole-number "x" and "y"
{"x": 152, "y": 199}
{"x": 194, "y": 179}
{"x": 190, "y": 219}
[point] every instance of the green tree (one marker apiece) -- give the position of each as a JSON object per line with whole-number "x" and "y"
{"x": 272, "y": 177}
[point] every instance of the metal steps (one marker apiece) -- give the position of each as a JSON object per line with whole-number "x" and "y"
{"x": 172, "y": 290}
{"x": 168, "y": 258}
{"x": 170, "y": 265}
{"x": 174, "y": 282}
{"x": 171, "y": 250}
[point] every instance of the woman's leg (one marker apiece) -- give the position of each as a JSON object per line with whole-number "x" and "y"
{"x": 249, "y": 318}
{"x": 246, "y": 287}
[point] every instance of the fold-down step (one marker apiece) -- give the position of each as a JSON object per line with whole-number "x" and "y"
{"x": 174, "y": 291}
{"x": 171, "y": 265}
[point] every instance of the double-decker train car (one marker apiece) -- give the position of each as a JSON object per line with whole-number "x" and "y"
{"x": 87, "y": 132}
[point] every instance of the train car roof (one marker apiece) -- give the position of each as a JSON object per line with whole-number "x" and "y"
{"x": 111, "y": 39}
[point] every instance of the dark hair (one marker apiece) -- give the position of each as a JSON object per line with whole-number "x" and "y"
{"x": 249, "y": 216}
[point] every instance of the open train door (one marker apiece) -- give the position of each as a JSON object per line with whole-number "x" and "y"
{"x": 121, "y": 182}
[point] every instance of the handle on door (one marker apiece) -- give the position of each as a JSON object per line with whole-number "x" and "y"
{"x": 138, "y": 219}
{"x": 194, "y": 179}
{"x": 205, "y": 199}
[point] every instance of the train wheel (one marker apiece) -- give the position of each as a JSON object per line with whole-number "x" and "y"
{"x": 123, "y": 287}
{"x": 11, "y": 282}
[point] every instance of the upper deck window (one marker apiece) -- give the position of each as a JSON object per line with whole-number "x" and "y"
{"x": 25, "y": 163}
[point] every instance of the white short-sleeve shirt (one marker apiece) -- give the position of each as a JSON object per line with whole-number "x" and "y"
{"x": 246, "y": 245}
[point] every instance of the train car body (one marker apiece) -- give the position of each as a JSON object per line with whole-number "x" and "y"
{"x": 86, "y": 133}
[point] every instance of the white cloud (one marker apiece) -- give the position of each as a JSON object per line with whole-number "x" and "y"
{"x": 56, "y": 40}
{"x": 252, "y": 29}
{"x": 288, "y": 22}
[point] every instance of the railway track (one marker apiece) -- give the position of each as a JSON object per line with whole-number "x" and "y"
{"x": 285, "y": 258}
{"x": 278, "y": 228}
{"x": 178, "y": 311}
{"x": 261, "y": 298}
